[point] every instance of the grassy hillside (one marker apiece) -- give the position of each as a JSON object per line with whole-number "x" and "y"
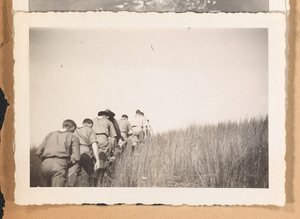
{"x": 227, "y": 155}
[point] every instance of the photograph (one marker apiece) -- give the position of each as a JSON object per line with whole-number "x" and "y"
{"x": 189, "y": 107}
{"x": 158, "y": 110}
{"x": 199, "y": 6}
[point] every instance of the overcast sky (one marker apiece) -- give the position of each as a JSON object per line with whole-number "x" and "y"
{"x": 175, "y": 76}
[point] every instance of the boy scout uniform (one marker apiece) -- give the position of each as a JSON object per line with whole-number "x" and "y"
{"x": 103, "y": 129}
{"x": 57, "y": 151}
{"x": 125, "y": 127}
{"x": 86, "y": 137}
{"x": 138, "y": 125}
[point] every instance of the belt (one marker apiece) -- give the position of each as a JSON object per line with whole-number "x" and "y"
{"x": 102, "y": 134}
{"x": 57, "y": 157}
{"x": 137, "y": 126}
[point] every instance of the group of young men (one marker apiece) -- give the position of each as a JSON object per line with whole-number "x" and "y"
{"x": 89, "y": 149}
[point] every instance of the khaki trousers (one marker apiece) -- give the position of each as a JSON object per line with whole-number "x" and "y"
{"x": 102, "y": 143}
{"x": 137, "y": 134}
{"x": 54, "y": 171}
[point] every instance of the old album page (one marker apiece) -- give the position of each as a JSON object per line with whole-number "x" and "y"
{"x": 150, "y": 108}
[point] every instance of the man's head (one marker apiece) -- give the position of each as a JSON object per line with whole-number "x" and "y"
{"x": 137, "y": 112}
{"x": 69, "y": 125}
{"x": 124, "y": 116}
{"x": 88, "y": 122}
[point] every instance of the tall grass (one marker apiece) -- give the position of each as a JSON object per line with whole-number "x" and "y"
{"x": 35, "y": 174}
{"x": 227, "y": 155}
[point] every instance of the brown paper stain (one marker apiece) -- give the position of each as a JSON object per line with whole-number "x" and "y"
{"x": 291, "y": 210}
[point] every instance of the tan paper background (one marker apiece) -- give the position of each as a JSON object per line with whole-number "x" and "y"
{"x": 291, "y": 210}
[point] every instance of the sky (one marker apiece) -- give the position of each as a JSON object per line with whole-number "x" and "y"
{"x": 175, "y": 76}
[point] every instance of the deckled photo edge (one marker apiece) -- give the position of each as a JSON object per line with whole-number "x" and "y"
{"x": 23, "y": 191}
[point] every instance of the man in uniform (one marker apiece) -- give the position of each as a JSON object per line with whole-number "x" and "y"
{"x": 89, "y": 158}
{"x": 59, "y": 150}
{"x": 139, "y": 129}
{"x": 104, "y": 129}
{"x": 125, "y": 127}
{"x": 126, "y": 130}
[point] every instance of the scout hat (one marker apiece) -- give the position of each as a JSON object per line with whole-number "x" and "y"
{"x": 110, "y": 113}
{"x": 103, "y": 113}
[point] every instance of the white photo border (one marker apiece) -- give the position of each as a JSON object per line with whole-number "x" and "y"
{"x": 274, "y": 195}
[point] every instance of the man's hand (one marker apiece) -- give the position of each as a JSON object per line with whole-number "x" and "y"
{"x": 97, "y": 165}
{"x": 71, "y": 163}
{"x": 120, "y": 143}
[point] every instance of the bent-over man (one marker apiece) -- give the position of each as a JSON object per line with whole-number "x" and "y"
{"x": 139, "y": 129}
{"x": 89, "y": 158}
{"x": 125, "y": 127}
{"x": 103, "y": 129}
{"x": 126, "y": 131}
{"x": 58, "y": 151}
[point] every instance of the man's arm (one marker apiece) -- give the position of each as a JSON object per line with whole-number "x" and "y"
{"x": 112, "y": 130}
{"x": 117, "y": 129}
{"x": 75, "y": 156}
{"x": 93, "y": 139}
{"x": 41, "y": 148}
{"x": 96, "y": 154}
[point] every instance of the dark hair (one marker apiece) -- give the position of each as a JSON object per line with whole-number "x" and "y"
{"x": 68, "y": 123}
{"x": 142, "y": 113}
{"x": 88, "y": 121}
{"x": 124, "y": 116}
{"x": 138, "y": 111}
